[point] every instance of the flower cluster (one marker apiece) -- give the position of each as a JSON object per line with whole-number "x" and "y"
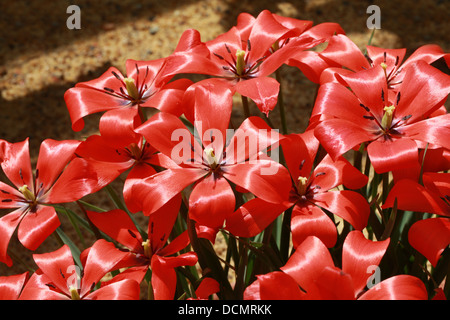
{"x": 357, "y": 206}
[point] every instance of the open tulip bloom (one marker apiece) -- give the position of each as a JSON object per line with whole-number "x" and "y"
{"x": 355, "y": 206}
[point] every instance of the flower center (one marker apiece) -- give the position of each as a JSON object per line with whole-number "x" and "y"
{"x": 134, "y": 150}
{"x": 240, "y": 62}
{"x": 132, "y": 90}
{"x": 74, "y": 293}
{"x": 27, "y": 194}
{"x": 147, "y": 248}
{"x": 211, "y": 158}
{"x": 386, "y": 121}
{"x": 302, "y": 184}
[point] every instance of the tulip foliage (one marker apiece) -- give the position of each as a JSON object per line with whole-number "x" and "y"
{"x": 355, "y": 206}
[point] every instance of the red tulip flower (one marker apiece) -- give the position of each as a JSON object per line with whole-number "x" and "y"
{"x": 428, "y": 236}
{"x": 394, "y": 127}
{"x": 151, "y": 253}
{"x": 58, "y": 278}
{"x": 129, "y": 152}
{"x": 310, "y": 274}
{"x": 214, "y": 162}
{"x": 145, "y": 85}
{"x": 312, "y": 192}
{"x": 243, "y": 57}
{"x": 59, "y": 178}
{"x": 11, "y": 286}
{"x": 342, "y": 52}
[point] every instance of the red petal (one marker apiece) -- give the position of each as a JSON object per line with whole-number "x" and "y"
{"x": 390, "y": 155}
{"x": 164, "y": 278}
{"x": 262, "y": 90}
{"x": 59, "y": 267}
{"x": 90, "y": 97}
{"x": 53, "y": 157}
{"x": 35, "y": 227}
{"x": 207, "y": 287}
{"x": 412, "y": 196}
{"x": 329, "y": 174}
{"x": 119, "y": 226}
{"x": 102, "y": 258}
{"x": 253, "y": 217}
{"x": 401, "y": 287}
{"x": 305, "y": 264}
{"x": 126, "y": 289}
{"x": 211, "y": 201}
{"x": 430, "y": 237}
{"x": 80, "y": 178}
{"x": 423, "y": 90}
{"x": 11, "y": 286}
{"x": 266, "y": 30}
{"x": 168, "y": 134}
{"x": 155, "y": 191}
{"x": 359, "y": 256}
{"x": 334, "y": 284}
{"x": 342, "y": 50}
{"x": 433, "y": 130}
{"x": 309, "y": 220}
{"x": 277, "y": 286}
{"x": 8, "y": 224}
{"x": 338, "y": 136}
{"x": 349, "y": 205}
{"x": 117, "y": 126}
{"x": 16, "y": 164}
{"x": 266, "y": 179}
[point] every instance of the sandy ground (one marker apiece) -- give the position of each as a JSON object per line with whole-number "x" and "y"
{"x": 40, "y": 58}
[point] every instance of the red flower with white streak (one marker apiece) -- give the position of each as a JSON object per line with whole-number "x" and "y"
{"x": 311, "y": 193}
{"x": 393, "y": 126}
{"x": 58, "y": 278}
{"x": 213, "y": 163}
{"x": 145, "y": 85}
{"x": 152, "y": 253}
{"x": 310, "y": 274}
{"x": 59, "y": 178}
{"x": 342, "y": 52}
{"x": 243, "y": 57}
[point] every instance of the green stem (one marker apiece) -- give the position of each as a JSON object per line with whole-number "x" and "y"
{"x": 281, "y": 104}
{"x": 245, "y": 106}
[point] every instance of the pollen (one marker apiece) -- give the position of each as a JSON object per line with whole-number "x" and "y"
{"x": 27, "y": 193}
{"x": 240, "y": 62}
{"x": 131, "y": 88}
{"x": 211, "y": 157}
{"x": 301, "y": 185}
{"x": 386, "y": 122}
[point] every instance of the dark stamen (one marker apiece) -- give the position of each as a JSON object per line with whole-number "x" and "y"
{"x": 6, "y": 200}
{"x": 249, "y": 47}
{"x": 382, "y": 95}
{"x": 398, "y": 97}
{"x": 132, "y": 233}
{"x": 384, "y": 57}
{"x": 320, "y": 174}
{"x": 365, "y": 108}
{"x": 369, "y": 117}
{"x": 407, "y": 117}
{"x": 301, "y": 164}
{"x": 5, "y": 191}
{"x": 396, "y": 60}
{"x": 108, "y": 89}
{"x": 218, "y": 56}
{"x": 116, "y": 75}
{"x": 228, "y": 49}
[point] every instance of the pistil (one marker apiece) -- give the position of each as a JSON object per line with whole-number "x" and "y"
{"x": 386, "y": 122}
{"x": 147, "y": 248}
{"x": 211, "y": 158}
{"x": 301, "y": 185}
{"x": 240, "y": 62}
{"x": 131, "y": 88}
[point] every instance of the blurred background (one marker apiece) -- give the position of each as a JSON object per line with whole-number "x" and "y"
{"x": 40, "y": 58}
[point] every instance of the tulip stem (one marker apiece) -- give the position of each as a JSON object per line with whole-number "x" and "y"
{"x": 284, "y": 129}
{"x": 245, "y": 106}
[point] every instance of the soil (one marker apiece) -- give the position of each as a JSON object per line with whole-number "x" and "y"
{"x": 40, "y": 58}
